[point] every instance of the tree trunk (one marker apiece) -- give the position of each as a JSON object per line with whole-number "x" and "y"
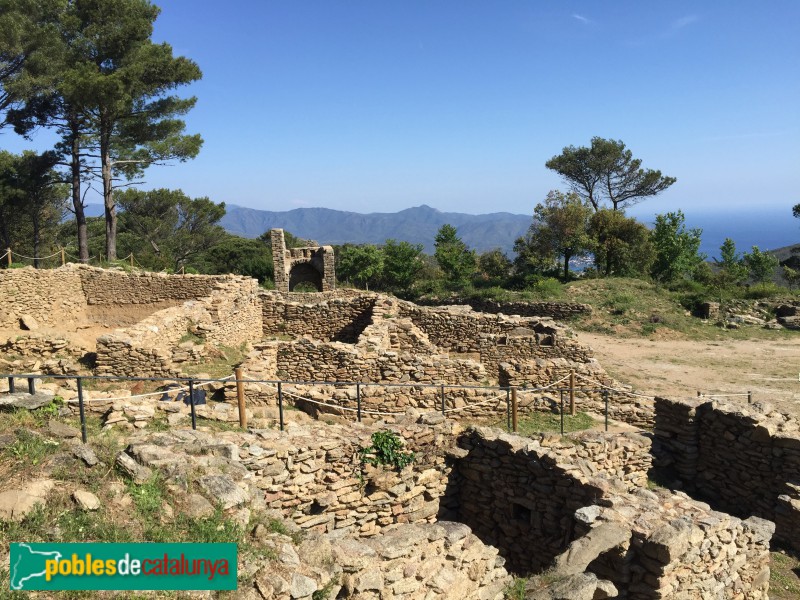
{"x": 108, "y": 194}
{"x": 77, "y": 202}
{"x": 567, "y": 256}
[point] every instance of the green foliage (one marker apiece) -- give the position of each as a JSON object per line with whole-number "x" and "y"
{"x": 606, "y": 172}
{"x": 402, "y": 262}
{"x": 559, "y": 229}
{"x": 732, "y": 270}
{"x": 455, "y": 259}
{"x": 494, "y": 265}
{"x": 239, "y": 256}
{"x": 362, "y": 264}
{"x": 516, "y": 589}
{"x": 792, "y": 276}
{"x": 31, "y": 448}
{"x": 168, "y": 228}
{"x": 386, "y": 449}
{"x": 676, "y": 248}
{"x": 621, "y": 245}
{"x": 761, "y": 265}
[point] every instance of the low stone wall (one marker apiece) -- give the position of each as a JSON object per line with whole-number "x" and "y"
{"x": 443, "y": 560}
{"x": 554, "y": 310}
{"x": 332, "y": 316}
{"x": 497, "y": 349}
{"x": 679, "y": 548}
{"x": 512, "y": 490}
{"x": 625, "y": 407}
{"x": 51, "y": 296}
{"x": 230, "y": 315}
{"x": 540, "y": 506}
{"x": 114, "y": 287}
{"x": 744, "y": 459}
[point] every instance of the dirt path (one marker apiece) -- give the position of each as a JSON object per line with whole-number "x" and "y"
{"x": 769, "y": 369}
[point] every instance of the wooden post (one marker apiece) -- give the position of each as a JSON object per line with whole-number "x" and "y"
{"x": 572, "y": 392}
{"x": 514, "y": 409}
{"x": 63, "y": 257}
{"x": 8, "y": 256}
{"x": 131, "y": 260}
{"x": 183, "y": 270}
{"x": 240, "y": 398}
{"x": 749, "y": 397}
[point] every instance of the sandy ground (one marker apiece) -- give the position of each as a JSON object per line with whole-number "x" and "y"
{"x": 680, "y": 368}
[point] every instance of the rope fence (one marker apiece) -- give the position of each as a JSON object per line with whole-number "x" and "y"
{"x": 509, "y": 394}
{"x": 10, "y": 259}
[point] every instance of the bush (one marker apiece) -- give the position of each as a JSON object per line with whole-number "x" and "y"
{"x": 763, "y": 290}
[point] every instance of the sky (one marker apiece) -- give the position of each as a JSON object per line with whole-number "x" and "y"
{"x": 377, "y": 106}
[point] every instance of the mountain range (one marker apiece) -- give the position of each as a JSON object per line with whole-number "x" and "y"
{"x": 417, "y": 225}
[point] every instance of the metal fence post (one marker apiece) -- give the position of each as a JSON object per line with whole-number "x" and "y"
{"x": 358, "y": 401}
{"x": 572, "y": 392}
{"x": 562, "y": 412}
{"x": 191, "y": 404}
{"x": 31, "y": 385}
{"x": 443, "y": 411}
{"x": 12, "y": 386}
{"x": 80, "y": 409}
{"x": 280, "y": 405}
{"x": 508, "y": 409}
{"x": 605, "y": 398}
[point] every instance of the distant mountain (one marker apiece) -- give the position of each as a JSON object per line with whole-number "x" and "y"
{"x": 417, "y": 225}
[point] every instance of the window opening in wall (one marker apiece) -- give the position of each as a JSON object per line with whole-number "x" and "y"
{"x": 521, "y": 513}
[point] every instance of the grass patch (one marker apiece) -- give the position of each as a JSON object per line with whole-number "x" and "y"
{"x": 220, "y": 362}
{"x": 783, "y": 577}
{"x": 539, "y": 422}
{"x": 516, "y": 589}
{"x": 31, "y": 448}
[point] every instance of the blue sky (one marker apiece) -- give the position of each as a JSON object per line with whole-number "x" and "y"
{"x": 382, "y": 105}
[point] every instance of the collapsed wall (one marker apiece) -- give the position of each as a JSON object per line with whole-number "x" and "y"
{"x": 542, "y": 507}
{"x": 230, "y": 315}
{"x": 741, "y": 459}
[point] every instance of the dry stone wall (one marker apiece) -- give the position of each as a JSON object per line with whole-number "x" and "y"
{"x": 113, "y": 287}
{"x": 329, "y": 317}
{"x": 626, "y": 407}
{"x": 679, "y": 548}
{"x": 230, "y": 315}
{"x": 544, "y": 506}
{"x": 51, "y": 296}
{"x": 744, "y": 459}
{"x": 555, "y": 310}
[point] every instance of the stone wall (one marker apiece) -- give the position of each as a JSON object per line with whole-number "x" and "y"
{"x": 331, "y": 317}
{"x": 512, "y": 490}
{"x": 679, "y": 548}
{"x": 626, "y": 407}
{"x": 744, "y": 459}
{"x": 53, "y": 297}
{"x": 554, "y": 310}
{"x": 114, "y": 287}
{"x": 230, "y": 316}
{"x": 541, "y": 506}
{"x": 314, "y": 264}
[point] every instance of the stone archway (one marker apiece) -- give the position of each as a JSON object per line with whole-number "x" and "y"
{"x": 293, "y": 266}
{"x": 304, "y": 273}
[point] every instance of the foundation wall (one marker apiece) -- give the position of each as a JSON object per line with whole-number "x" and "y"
{"x": 744, "y": 459}
{"x": 53, "y": 297}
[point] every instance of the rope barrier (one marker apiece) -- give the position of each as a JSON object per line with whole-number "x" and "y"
{"x": 33, "y": 257}
{"x": 161, "y": 393}
{"x": 722, "y": 395}
{"x": 618, "y": 390}
{"x": 495, "y": 399}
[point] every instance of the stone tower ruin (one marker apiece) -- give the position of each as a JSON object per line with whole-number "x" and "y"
{"x": 313, "y": 264}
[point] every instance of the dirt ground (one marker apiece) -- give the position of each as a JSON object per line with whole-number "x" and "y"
{"x": 679, "y": 368}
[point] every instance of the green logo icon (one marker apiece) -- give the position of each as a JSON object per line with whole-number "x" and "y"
{"x": 95, "y": 566}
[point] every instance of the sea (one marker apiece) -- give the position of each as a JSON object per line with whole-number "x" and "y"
{"x": 769, "y": 228}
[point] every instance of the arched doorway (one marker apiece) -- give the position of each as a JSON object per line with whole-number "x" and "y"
{"x": 305, "y": 273}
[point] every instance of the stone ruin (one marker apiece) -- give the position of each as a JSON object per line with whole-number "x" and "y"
{"x": 313, "y": 265}
{"x": 478, "y": 506}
